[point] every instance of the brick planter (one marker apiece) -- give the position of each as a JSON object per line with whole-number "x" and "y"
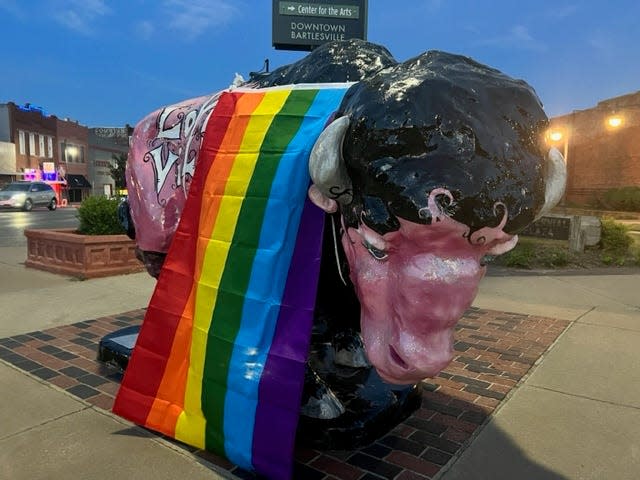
{"x": 67, "y": 252}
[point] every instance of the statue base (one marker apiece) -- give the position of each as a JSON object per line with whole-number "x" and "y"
{"x": 371, "y": 406}
{"x": 115, "y": 348}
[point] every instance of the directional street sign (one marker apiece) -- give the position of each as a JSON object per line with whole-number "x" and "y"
{"x": 305, "y": 25}
{"x": 317, "y": 10}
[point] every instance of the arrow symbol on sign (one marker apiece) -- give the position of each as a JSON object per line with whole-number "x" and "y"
{"x": 291, "y": 8}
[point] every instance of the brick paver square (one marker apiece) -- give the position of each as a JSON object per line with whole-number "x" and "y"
{"x": 495, "y": 350}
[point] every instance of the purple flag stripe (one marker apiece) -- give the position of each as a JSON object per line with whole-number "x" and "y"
{"x": 278, "y": 410}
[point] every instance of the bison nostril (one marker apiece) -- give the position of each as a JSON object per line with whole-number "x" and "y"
{"x": 397, "y": 358}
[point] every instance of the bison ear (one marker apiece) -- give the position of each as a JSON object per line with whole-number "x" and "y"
{"x": 322, "y": 201}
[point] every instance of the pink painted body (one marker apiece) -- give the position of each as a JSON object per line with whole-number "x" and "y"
{"x": 162, "y": 157}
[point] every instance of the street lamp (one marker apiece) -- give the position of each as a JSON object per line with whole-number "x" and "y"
{"x": 555, "y": 136}
{"x": 614, "y": 121}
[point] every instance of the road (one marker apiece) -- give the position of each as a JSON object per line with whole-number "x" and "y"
{"x": 13, "y": 223}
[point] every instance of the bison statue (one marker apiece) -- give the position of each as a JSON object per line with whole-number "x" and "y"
{"x": 427, "y": 169}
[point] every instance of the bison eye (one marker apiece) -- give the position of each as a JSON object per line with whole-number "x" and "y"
{"x": 375, "y": 252}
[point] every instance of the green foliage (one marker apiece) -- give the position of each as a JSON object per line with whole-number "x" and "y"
{"x": 531, "y": 253}
{"x": 607, "y": 259}
{"x": 554, "y": 257}
{"x": 99, "y": 216}
{"x": 520, "y": 257}
{"x": 634, "y": 250}
{"x": 625, "y": 199}
{"x": 615, "y": 237}
{"x": 617, "y": 247}
{"x": 117, "y": 171}
{"x": 615, "y": 242}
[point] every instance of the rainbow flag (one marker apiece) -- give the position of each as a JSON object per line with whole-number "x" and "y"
{"x": 220, "y": 358}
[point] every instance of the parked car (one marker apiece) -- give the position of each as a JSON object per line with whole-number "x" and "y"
{"x": 26, "y": 195}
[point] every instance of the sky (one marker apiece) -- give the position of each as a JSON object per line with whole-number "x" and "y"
{"x": 111, "y": 62}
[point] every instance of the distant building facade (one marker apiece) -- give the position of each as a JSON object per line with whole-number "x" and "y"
{"x": 73, "y": 144}
{"x": 104, "y": 144}
{"x": 36, "y": 145}
{"x": 28, "y": 138}
{"x": 8, "y": 167}
{"x": 602, "y": 146}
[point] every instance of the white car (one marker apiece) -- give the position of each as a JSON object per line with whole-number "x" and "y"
{"x": 26, "y": 195}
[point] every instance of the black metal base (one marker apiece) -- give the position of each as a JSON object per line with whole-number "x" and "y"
{"x": 372, "y": 406}
{"x": 115, "y": 348}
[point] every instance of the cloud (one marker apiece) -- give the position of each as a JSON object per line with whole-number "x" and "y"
{"x": 517, "y": 37}
{"x": 79, "y": 15}
{"x": 191, "y": 18}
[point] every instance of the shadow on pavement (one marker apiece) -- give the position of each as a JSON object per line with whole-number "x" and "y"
{"x": 495, "y": 456}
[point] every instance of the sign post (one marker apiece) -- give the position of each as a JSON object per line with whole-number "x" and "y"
{"x": 306, "y": 24}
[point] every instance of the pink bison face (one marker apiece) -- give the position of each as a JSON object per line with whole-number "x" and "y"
{"x": 414, "y": 284}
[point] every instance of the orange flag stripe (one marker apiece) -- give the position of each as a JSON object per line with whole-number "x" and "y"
{"x": 169, "y": 401}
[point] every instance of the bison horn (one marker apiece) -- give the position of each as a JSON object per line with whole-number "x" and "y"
{"x": 326, "y": 164}
{"x": 555, "y": 181}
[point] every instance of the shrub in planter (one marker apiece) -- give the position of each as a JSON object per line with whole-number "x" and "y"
{"x": 98, "y": 248}
{"x": 99, "y": 216}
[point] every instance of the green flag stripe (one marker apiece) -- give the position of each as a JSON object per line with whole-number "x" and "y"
{"x": 227, "y": 313}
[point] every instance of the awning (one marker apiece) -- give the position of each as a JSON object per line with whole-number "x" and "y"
{"x": 77, "y": 181}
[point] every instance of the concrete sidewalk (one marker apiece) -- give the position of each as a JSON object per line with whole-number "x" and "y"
{"x": 575, "y": 416}
{"x": 48, "y": 434}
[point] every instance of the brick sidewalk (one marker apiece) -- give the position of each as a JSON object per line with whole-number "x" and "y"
{"x": 495, "y": 350}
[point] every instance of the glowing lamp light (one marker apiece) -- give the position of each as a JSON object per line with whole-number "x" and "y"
{"x": 555, "y": 136}
{"x": 614, "y": 121}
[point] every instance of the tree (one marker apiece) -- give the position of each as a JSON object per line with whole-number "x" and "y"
{"x": 117, "y": 171}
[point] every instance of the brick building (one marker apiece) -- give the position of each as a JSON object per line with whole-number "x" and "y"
{"x": 28, "y": 137}
{"x": 73, "y": 143}
{"x": 602, "y": 147}
{"x": 36, "y": 145}
{"x": 104, "y": 143}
